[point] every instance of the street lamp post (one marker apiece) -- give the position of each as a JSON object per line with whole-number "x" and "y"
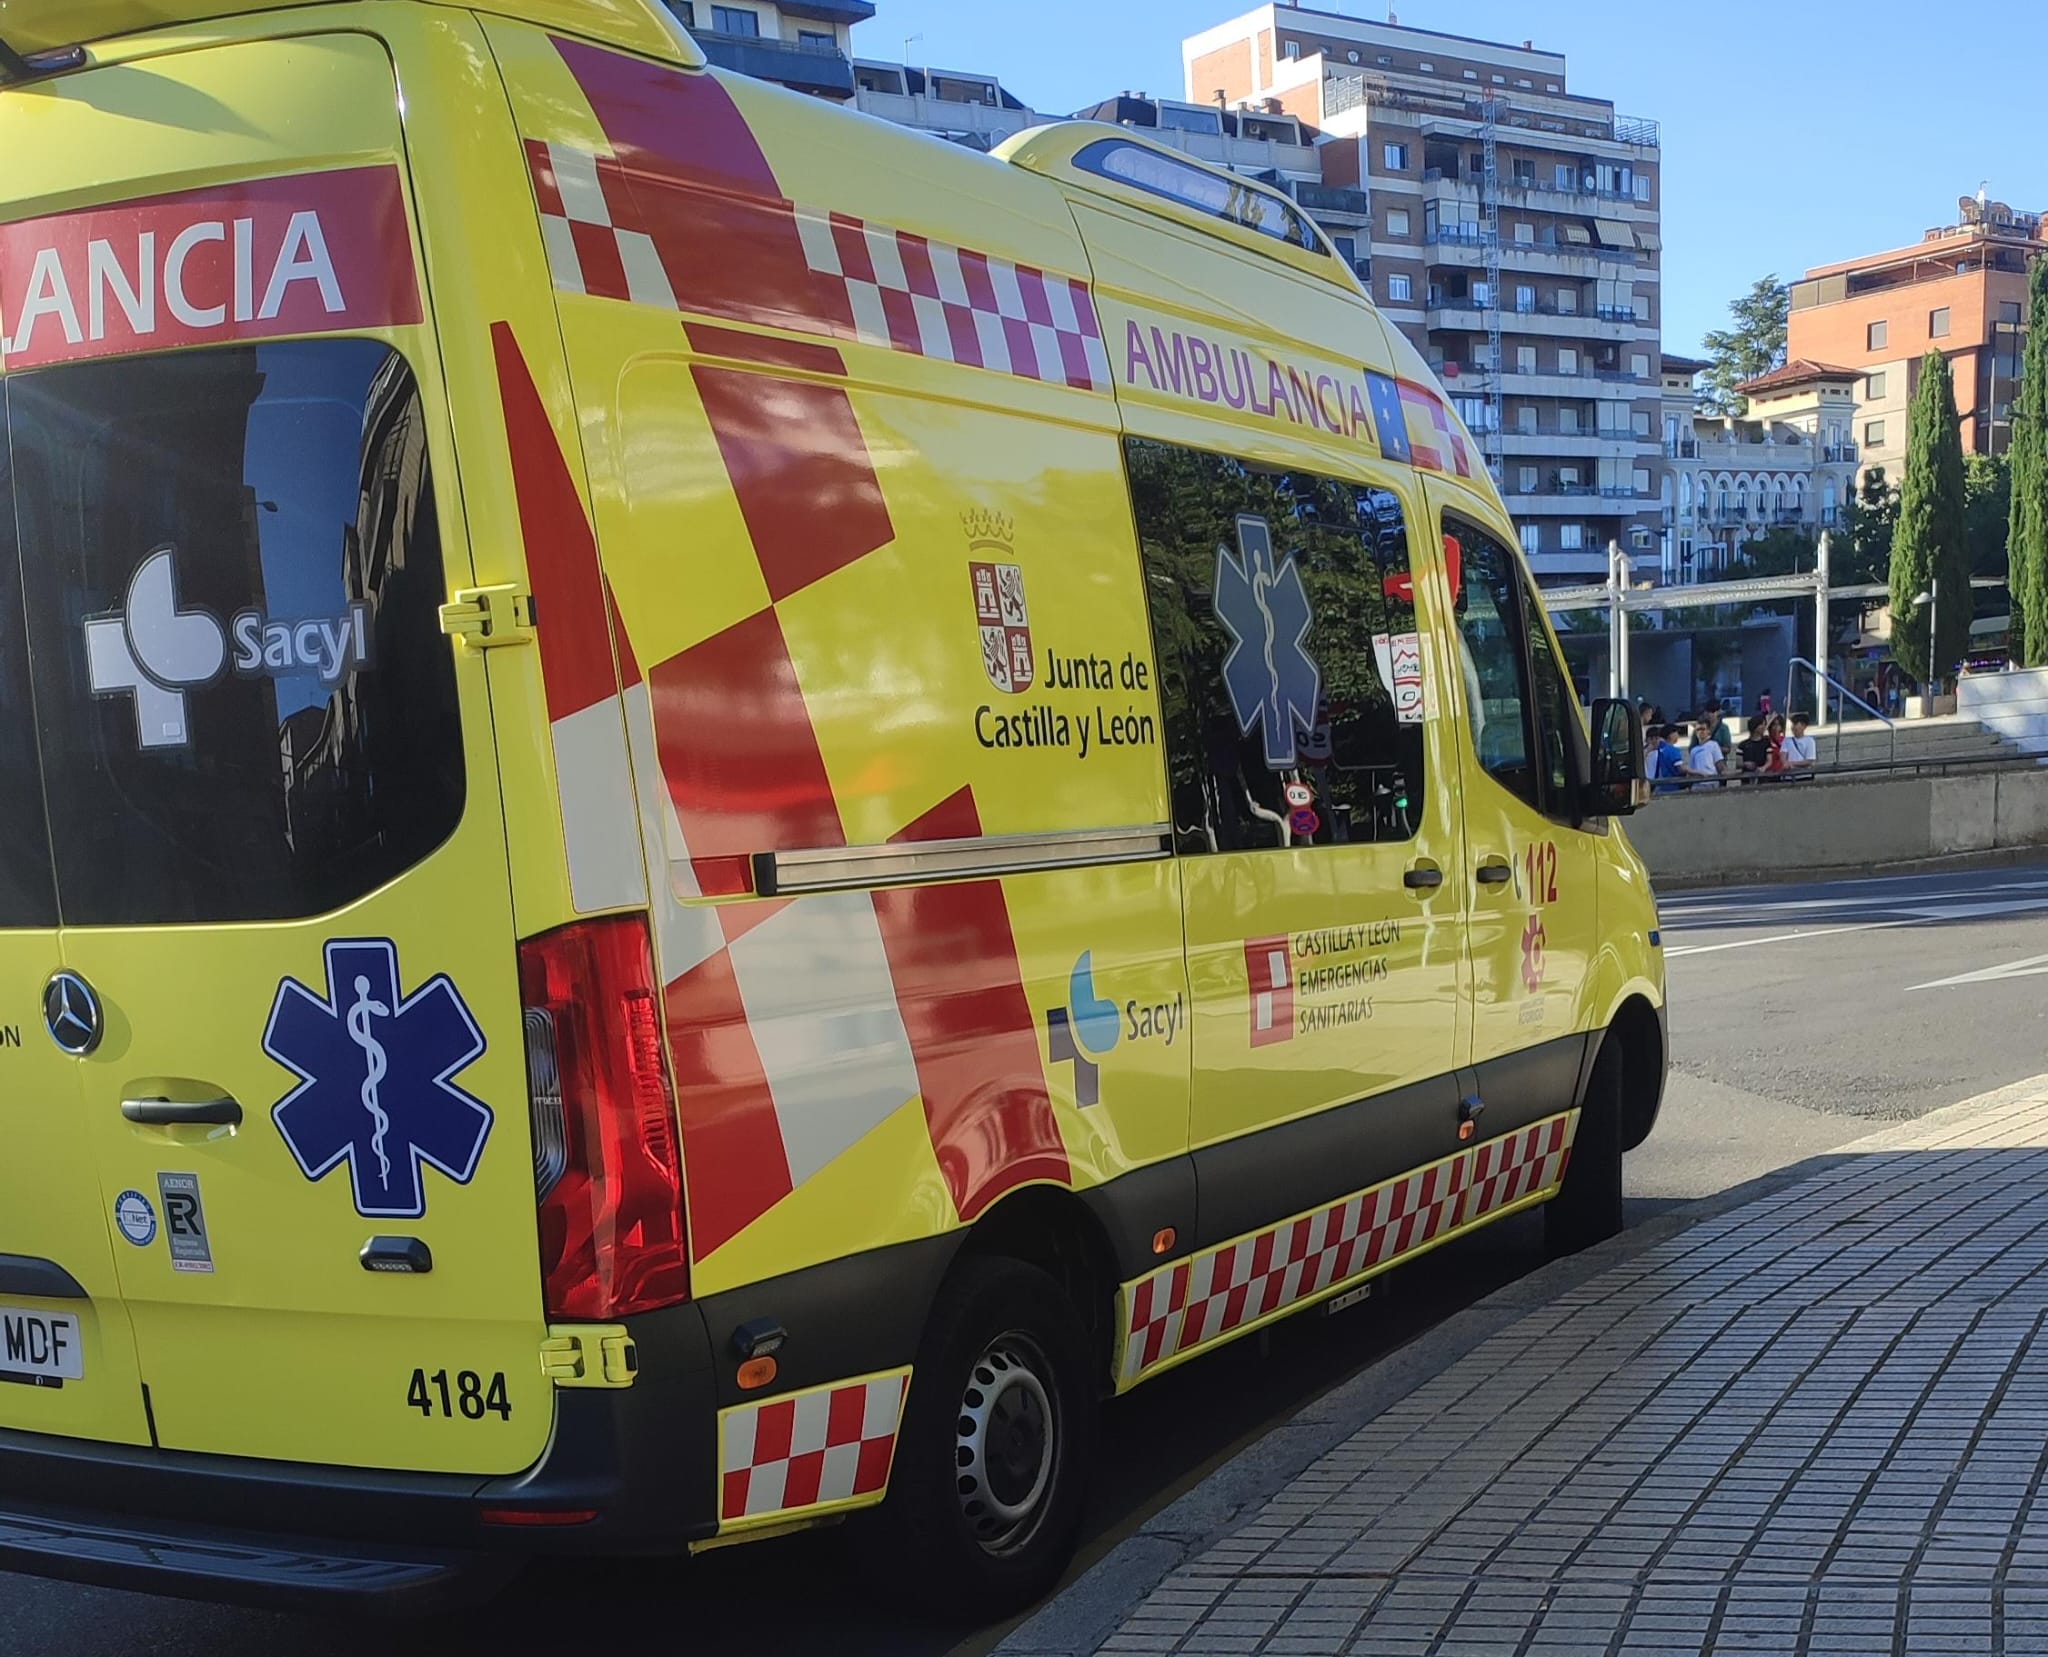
{"x": 1930, "y": 601}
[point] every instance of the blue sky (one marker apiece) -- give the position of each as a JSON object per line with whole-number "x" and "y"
{"x": 1795, "y": 133}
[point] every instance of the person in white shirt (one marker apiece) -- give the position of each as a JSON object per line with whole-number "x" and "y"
{"x": 1704, "y": 758}
{"x": 1799, "y": 753}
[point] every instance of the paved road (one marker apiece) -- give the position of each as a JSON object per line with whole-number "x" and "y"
{"x": 1799, "y": 1017}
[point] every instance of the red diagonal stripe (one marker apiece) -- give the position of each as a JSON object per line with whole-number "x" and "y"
{"x": 960, "y": 991}
{"x": 800, "y": 467}
{"x": 561, "y": 550}
{"x": 735, "y": 1165}
{"x": 739, "y": 754}
{"x": 704, "y": 192}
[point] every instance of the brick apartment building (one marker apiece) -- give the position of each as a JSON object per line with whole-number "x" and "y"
{"x": 1515, "y": 238}
{"x": 1962, "y": 290}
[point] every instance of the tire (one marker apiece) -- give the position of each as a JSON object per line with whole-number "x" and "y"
{"x": 1588, "y": 1209}
{"x": 993, "y": 1459}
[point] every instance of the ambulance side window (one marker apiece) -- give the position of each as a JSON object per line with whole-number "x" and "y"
{"x": 1520, "y": 711}
{"x": 1283, "y": 618}
{"x": 27, "y": 895}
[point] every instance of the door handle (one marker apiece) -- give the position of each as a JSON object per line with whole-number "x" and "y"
{"x": 1423, "y": 877}
{"x": 1496, "y": 873}
{"x": 222, "y": 1112}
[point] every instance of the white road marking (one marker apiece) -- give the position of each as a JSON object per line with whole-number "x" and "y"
{"x": 1988, "y": 975}
{"x": 1918, "y": 915}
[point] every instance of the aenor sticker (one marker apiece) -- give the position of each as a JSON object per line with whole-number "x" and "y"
{"x": 185, "y": 1222}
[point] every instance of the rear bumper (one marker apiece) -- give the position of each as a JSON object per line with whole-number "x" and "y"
{"x": 640, "y": 1458}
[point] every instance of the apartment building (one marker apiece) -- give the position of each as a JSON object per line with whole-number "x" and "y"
{"x": 1961, "y": 290}
{"x": 803, "y": 44}
{"x": 1515, "y": 237}
{"x": 1789, "y": 463}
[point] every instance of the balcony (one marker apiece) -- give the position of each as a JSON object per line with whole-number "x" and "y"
{"x": 1685, "y": 448}
{"x": 821, "y": 70}
{"x": 1332, "y": 198}
{"x": 1551, "y": 251}
{"x": 1839, "y": 454}
{"x": 981, "y": 126}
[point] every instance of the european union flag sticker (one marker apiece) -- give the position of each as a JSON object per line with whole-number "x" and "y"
{"x": 1389, "y": 418}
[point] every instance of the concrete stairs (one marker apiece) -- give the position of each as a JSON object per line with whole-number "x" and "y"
{"x": 1952, "y": 739}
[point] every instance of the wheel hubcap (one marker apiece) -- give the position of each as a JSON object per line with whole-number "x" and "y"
{"x": 1004, "y": 1452}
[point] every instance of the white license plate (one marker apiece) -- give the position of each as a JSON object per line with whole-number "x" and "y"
{"x": 44, "y": 1345}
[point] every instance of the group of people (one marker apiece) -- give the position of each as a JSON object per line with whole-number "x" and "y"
{"x": 1768, "y": 749}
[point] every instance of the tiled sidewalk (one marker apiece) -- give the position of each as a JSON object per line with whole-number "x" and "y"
{"x": 1816, "y": 1423}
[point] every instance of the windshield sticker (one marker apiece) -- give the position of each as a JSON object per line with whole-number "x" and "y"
{"x": 312, "y": 253}
{"x": 1273, "y": 681}
{"x": 154, "y": 650}
{"x": 376, "y": 1089}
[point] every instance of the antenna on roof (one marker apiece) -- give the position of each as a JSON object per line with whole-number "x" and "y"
{"x": 15, "y": 67}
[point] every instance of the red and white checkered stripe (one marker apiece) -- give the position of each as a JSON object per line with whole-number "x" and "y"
{"x": 830, "y": 1446}
{"x": 900, "y": 289}
{"x": 934, "y": 300}
{"x": 1196, "y": 1303}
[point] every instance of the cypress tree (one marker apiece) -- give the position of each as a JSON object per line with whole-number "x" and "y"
{"x": 1931, "y": 543}
{"x": 2027, "y": 529}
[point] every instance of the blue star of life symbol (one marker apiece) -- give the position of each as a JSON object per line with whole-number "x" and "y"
{"x": 1272, "y": 679}
{"x": 374, "y": 1072}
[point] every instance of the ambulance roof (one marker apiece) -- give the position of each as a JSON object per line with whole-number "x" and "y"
{"x": 32, "y": 26}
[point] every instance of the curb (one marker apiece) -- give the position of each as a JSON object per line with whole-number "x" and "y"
{"x": 1083, "y": 1615}
{"x": 2003, "y": 857}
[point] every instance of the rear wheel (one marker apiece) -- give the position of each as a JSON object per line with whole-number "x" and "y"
{"x": 992, "y": 1463}
{"x": 1588, "y": 1209}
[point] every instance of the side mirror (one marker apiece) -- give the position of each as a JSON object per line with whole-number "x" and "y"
{"x": 1621, "y": 781}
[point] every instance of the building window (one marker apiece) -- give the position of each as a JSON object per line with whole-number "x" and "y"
{"x": 1525, "y": 359}
{"x": 1877, "y": 336}
{"x": 1427, "y": 68}
{"x": 1525, "y": 418}
{"x": 1526, "y": 86}
{"x": 685, "y": 12}
{"x": 1567, "y": 359}
{"x": 1571, "y": 537}
{"x": 1551, "y": 86}
{"x": 1642, "y": 187}
{"x": 2008, "y": 310}
{"x": 1639, "y": 366}
{"x": 1525, "y": 235}
{"x": 1642, "y": 478}
{"x": 1568, "y": 418}
{"x": 1640, "y": 423}
{"x": 1525, "y": 299}
{"x": 1567, "y": 301}
{"x": 1532, "y": 539}
{"x": 1397, "y": 221}
{"x": 1937, "y": 323}
{"x": 1384, "y": 61}
{"x": 1482, "y": 295}
{"x": 1529, "y": 475}
{"x": 1500, "y": 80}
{"x": 1471, "y": 74}
{"x": 1395, "y": 157}
{"x": 1873, "y": 389}
{"x": 1567, "y": 177}
{"x": 816, "y": 40}
{"x": 1400, "y": 289}
{"x": 735, "y": 20}
{"x": 1217, "y": 535}
{"x": 1873, "y": 434}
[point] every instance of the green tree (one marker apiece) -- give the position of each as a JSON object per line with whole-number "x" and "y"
{"x": 1987, "y": 505}
{"x": 2027, "y": 521}
{"x": 1753, "y": 345}
{"x": 1863, "y": 551}
{"x": 1781, "y": 551}
{"x": 1931, "y": 544}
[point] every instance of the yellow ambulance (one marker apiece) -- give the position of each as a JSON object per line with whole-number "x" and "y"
{"x": 708, "y": 811}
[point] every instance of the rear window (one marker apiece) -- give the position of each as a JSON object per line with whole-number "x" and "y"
{"x": 229, "y": 570}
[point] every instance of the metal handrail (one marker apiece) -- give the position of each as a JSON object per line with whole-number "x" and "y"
{"x": 1823, "y": 678}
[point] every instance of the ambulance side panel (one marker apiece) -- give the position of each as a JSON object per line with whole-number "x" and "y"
{"x": 858, "y": 485}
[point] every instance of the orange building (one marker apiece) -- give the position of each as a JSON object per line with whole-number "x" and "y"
{"x": 1961, "y": 290}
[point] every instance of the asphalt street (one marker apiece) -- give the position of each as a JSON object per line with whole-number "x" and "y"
{"x": 1802, "y": 1017}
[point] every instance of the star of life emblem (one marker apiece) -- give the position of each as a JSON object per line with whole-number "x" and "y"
{"x": 375, "y": 1072}
{"x": 1273, "y": 681}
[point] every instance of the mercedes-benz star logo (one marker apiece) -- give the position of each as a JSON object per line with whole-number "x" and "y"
{"x": 71, "y": 1013}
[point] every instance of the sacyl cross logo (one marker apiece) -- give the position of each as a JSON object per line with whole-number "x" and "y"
{"x": 154, "y": 651}
{"x": 376, "y": 1088}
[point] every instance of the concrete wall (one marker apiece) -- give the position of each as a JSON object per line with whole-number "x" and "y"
{"x": 1742, "y": 833}
{"x": 2015, "y": 705}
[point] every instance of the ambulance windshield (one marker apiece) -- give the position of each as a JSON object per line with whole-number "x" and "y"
{"x": 225, "y": 566}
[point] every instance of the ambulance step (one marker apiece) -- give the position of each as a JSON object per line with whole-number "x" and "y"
{"x": 221, "y": 1565}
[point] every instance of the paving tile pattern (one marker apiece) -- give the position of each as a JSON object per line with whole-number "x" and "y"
{"x": 1818, "y": 1423}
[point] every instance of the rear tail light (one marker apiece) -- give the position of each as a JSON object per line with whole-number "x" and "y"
{"x": 607, "y": 1164}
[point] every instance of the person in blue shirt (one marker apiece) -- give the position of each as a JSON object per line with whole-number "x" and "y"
{"x": 1666, "y": 759}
